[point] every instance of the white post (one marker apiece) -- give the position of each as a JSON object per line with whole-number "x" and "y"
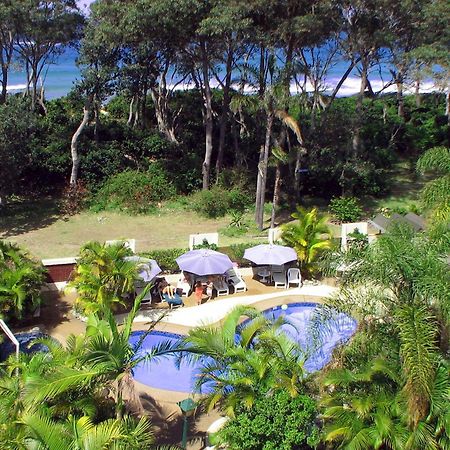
{"x": 10, "y": 334}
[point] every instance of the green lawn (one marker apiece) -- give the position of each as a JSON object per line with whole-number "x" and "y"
{"x": 38, "y": 226}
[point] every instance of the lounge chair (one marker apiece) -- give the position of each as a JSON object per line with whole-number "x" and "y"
{"x": 174, "y": 302}
{"x": 294, "y": 277}
{"x": 279, "y": 277}
{"x": 233, "y": 278}
{"x": 147, "y": 300}
{"x": 221, "y": 288}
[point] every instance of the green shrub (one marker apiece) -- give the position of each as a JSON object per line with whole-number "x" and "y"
{"x": 236, "y": 252}
{"x": 346, "y": 209}
{"x": 275, "y": 422}
{"x": 213, "y": 203}
{"x": 166, "y": 258}
{"x": 134, "y": 191}
{"x": 219, "y": 201}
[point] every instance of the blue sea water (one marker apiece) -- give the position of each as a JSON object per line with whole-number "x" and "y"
{"x": 60, "y": 77}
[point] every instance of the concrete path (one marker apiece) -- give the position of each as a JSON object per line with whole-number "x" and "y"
{"x": 213, "y": 312}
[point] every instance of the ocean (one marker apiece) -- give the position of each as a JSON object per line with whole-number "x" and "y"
{"x": 60, "y": 78}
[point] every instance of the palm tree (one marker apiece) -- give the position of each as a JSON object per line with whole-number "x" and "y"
{"x": 367, "y": 409}
{"x": 103, "y": 276}
{"x": 243, "y": 361}
{"x": 109, "y": 352}
{"x": 436, "y": 194}
{"x": 401, "y": 286}
{"x": 310, "y": 236}
{"x": 21, "y": 279}
{"x": 82, "y": 433}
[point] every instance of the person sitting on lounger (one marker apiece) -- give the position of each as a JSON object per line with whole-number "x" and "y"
{"x": 168, "y": 294}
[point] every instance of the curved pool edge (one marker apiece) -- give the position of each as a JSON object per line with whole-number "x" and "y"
{"x": 213, "y": 312}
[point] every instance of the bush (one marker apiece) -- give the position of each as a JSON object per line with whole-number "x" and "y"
{"x": 134, "y": 191}
{"x": 218, "y": 201}
{"x": 236, "y": 252}
{"x": 346, "y": 209}
{"x": 166, "y": 258}
{"x": 275, "y": 422}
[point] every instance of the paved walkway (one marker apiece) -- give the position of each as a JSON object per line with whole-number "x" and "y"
{"x": 215, "y": 311}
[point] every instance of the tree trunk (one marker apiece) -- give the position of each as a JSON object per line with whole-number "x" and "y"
{"x": 4, "y": 85}
{"x": 417, "y": 93}
{"x": 74, "y": 143}
{"x": 276, "y": 194}
{"x": 356, "y": 141}
{"x": 400, "y": 99}
{"x": 96, "y": 120}
{"x": 160, "y": 96}
{"x": 224, "y": 113}
{"x": 207, "y": 98}
{"x": 262, "y": 172}
{"x": 131, "y": 111}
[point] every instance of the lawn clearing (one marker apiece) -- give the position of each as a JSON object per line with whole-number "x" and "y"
{"x": 40, "y": 229}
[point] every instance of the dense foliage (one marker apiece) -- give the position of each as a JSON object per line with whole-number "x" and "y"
{"x": 21, "y": 279}
{"x": 345, "y": 209}
{"x": 74, "y": 395}
{"x": 276, "y": 422}
{"x": 103, "y": 277}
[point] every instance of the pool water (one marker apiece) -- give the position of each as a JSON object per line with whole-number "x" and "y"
{"x": 164, "y": 373}
{"x": 25, "y": 344}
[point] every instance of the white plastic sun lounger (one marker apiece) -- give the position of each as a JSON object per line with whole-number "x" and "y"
{"x": 279, "y": 279}
{"x": 233, "y": 278}
{"x": 147, "y": 300}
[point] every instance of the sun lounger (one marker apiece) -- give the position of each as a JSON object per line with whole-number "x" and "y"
{"x": 279, "y": 279}
{"x": 234, "y": 279}
{"x": 147, "y": 300}
{"x": 173, "y": 302}
{"x": 221, "y": 288}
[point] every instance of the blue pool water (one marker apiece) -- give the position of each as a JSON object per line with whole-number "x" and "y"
{"x": 164, "y": 373}
{"x": 25, "y": 344}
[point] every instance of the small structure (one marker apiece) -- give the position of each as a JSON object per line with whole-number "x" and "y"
{"x": 199, "y": 238}
{"x": 382, "y": 223}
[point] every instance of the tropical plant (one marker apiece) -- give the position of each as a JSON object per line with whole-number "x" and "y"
{"x": 345, "y": 209}
{"x": 21, "y": 279}
{"x": 309, "y": 237}
{"x": 276, "y": 421}
{"x": 103, "y": 276}
{"x": 400, "y": 285}
{"x": 436, "y": 193}
{"x": 73, "y": 392}
{"x": 367, "y": 408}
{"x": 239, "y": 363}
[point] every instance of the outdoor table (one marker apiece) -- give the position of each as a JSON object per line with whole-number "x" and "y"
{"x": 264, "y": 274}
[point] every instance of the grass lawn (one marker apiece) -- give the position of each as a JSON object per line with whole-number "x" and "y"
{"x": 38, "y": 226}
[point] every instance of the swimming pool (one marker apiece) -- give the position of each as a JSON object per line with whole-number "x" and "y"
{"x": 25, "y": 344}
{"x": 163, "y": 373}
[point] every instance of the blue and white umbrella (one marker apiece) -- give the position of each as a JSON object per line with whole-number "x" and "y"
{"x": 270, "y": 254}
{"x": 148, "y": 268}
{"x": 204, "y": 262}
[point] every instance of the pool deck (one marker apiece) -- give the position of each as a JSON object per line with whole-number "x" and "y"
{"x": 212, "y": 312}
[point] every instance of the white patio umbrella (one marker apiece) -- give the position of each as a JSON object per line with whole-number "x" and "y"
{"x": 270, "y": 254}
{"x": 148, "y": 268}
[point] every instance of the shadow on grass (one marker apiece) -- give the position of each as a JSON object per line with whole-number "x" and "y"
{"x": 21, "y": 217}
